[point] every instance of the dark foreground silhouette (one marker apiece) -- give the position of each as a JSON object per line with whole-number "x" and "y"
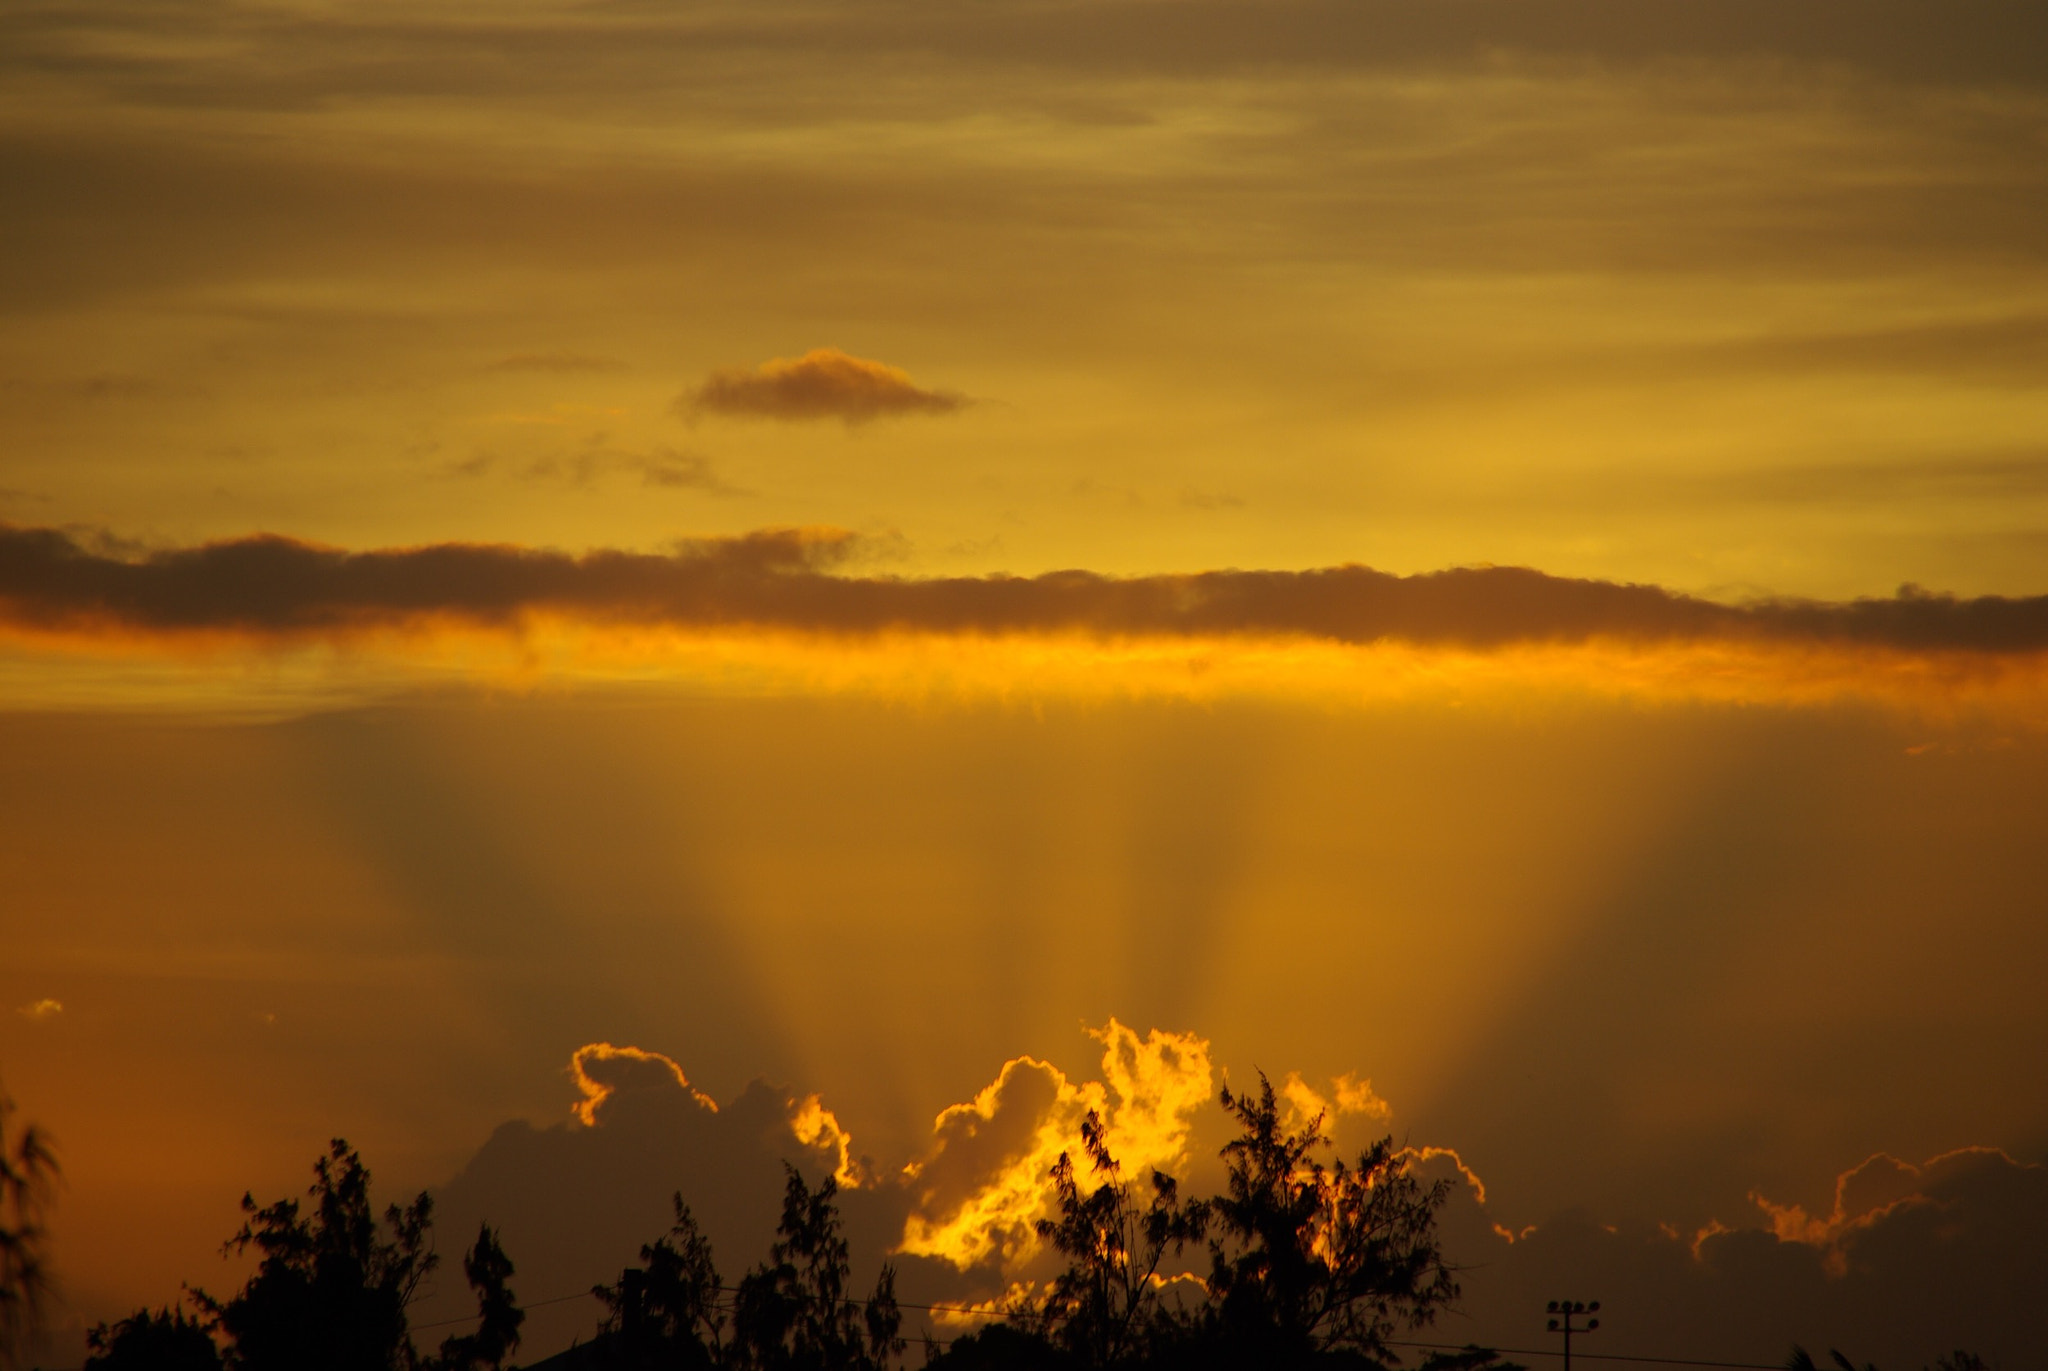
{"x": 329, "y": 1294}
{"x": 1297, "y": 1264}
{"x": 28, "y": 1171}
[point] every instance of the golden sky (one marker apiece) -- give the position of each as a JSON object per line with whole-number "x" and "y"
{"x": 1721, "y": 297}
{"x": 1490, "y": 547}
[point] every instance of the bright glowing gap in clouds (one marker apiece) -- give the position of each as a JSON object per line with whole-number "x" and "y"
{"x": 768, "y": 611}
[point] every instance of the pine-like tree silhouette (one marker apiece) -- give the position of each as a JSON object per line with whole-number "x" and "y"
{"x": 1310, "y": 1262}
{"x": 1106, "y": 1305}
{"x": 331, "y": 1291}
{"x": 668, "y": 1314}
{"x": 153, "y": 1340}
{"x": 498, "y": 1313}
{"x": 1958, "y": 1360}
{"x": 793, "y": 1313}
{"x": 28, "y": 1174}
{"x": 1309, "y": 1265}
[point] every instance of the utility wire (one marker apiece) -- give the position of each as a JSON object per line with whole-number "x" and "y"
{"x": 959, "y": 1312}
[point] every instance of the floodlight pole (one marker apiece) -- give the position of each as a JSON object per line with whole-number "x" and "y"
{"x": 1564, "y": 1311}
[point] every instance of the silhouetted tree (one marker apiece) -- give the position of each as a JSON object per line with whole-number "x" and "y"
{"x": 998, "y": 1347}
{"x": 1105, "y": 1307}
{"x": 331, "y": 1291}
{"x": 28, "y": 1173}
{"x": 1469, "y": 1358}
{"x": 1958, "y": 1360}
{"x": 1309, "y": 1265}
{"x": 152, "y": 1340}
{"x": 1309, "y": 1261}
{"x": 1802, "y": 1360}
{"x": 498, "y": 1312}
{"x": 668, "y": 1314}
{"x": 793, "y": 1313}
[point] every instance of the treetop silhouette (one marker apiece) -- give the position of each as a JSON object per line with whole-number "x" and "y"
{"x": 1309, "y": 1264}
{"x": 28, "y": 1176}
{"x": 330, "y": 1292}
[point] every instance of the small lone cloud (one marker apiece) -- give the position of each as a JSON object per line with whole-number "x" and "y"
{"x": 824, "y": 383}
{"x": 41, "y": 1009}
{"x": 558, "y": 363}
{"x": 1210, "y": 499}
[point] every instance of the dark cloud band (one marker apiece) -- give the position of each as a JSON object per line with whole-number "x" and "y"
{"x": 269, "y": 586}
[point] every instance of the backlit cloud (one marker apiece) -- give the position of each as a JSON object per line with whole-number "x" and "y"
{"x": 1912, "y": 1262}
{"x": 601, "y": 1071}
{"x": 267, "y": 586}
{"x": 40, "y": 1009}
{"x": 1907, "y": 1263}
{"x": 1348, "y": 1094}
{"x": 1867, "y": 1193}
{"x": 824, "y": 383}
{"x": 987, "y": 1177}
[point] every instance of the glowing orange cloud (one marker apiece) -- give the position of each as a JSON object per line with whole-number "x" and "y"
{"x": 596, "y": 1090}
{"x": 1348, "y": 1095}
{"x": 1412, "y": 1155}
{"x": 987, "y": 1177}
{"x": 816, "y": 1126}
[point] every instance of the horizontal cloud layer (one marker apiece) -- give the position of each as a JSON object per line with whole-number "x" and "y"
{"x": 275, "y": 588}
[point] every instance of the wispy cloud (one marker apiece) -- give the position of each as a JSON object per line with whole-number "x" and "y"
{"x": 824, "y": 383}
{"x": 662, "y": 467}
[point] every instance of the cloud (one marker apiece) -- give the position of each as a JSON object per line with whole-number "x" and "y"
{"x": 1913, "y": 1262}
{"x": 1348, "y": 1095}
{"x": 662, "y": 467}
{"x": 601, "y": 1071}
{"x": 1913, "y": 1259}
{"x": 269, "y": 587}
{"x": 576, "y": 1199}
{"x": 1865, "y": 1195}
{"x": 818, "y": 1127}
{"x": 824, "y": 383}
{"x": 987, "y": 1177}
{"x": 40, "y": 1010}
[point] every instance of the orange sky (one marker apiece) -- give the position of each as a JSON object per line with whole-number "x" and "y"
{"x": 1491, "y": 547}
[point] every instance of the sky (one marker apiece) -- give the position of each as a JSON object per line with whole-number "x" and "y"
{"x": 594, "y": 596}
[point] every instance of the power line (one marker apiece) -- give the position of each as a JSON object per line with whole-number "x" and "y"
{"x": 1594, "y": 1356}
{"x": 532, "y": 1304}
{"x": 959, "y": 1312}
